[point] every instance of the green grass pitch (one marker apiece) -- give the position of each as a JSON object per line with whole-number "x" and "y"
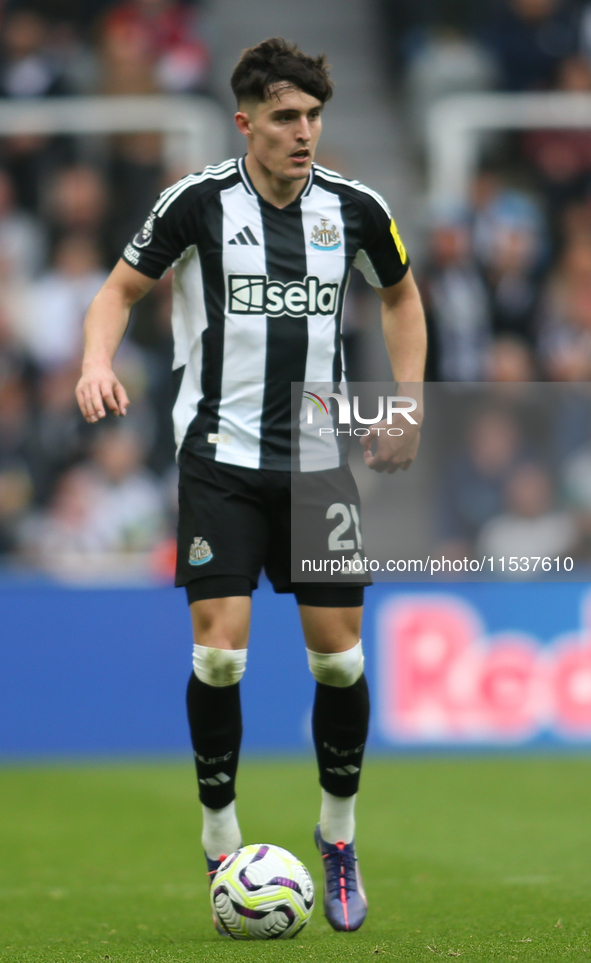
{"x": 480, "y": 858}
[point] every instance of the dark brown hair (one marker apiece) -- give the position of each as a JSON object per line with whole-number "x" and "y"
{"x": 276, "y": 61}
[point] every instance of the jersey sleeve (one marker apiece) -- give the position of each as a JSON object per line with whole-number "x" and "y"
{"x": 164, "y": 236}
{"x": 382, "y": 257}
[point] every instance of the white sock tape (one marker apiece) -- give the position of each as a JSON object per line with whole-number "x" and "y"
{"x": 218, "y": 667}
{"x": 337, "y": 668}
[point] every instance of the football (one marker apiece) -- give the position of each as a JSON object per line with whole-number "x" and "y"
{"x": 262, "y": 892}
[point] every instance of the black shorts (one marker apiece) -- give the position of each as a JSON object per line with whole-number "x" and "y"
{"x": 235, "y": 521}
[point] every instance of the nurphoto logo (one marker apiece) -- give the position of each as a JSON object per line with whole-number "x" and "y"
{"x": 387, "y": 408}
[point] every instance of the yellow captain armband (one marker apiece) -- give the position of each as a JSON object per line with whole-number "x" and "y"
{"x": 398, "y": 241}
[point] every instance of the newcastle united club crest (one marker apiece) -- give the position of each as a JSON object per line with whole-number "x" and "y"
{"x": 200, "y": 552}
{"x": 325, "y": 238}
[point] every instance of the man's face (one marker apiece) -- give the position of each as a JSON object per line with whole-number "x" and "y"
{"x": 283, "y": 131}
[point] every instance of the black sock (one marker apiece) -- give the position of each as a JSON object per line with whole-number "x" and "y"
{"x": 340, "y": 721}
{"x": 215, "y": 721}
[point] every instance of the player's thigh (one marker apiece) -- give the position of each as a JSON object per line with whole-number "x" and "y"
{"x": 221, "y": 623}
{"x": 327, "y": 540}
{"x": 223, "y": 531}
{"x": 330, "y": 629}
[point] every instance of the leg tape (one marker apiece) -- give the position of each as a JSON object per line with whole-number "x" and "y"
{"x": 337, "y": 668}
{"x": 218, "y": 667}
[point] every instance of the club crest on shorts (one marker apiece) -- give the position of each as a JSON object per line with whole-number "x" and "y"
{"x": 143, "y": 237}
{"x": 200, "y": 552}
{"x": 325, "y": 238}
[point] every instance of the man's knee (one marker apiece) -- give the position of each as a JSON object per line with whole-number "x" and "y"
{"x": 220, "y": 636}
{"x": 218, "y": 667}
{"x": 339, "y": 669}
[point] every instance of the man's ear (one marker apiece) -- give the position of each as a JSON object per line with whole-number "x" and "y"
{"x": 242, "y": 120}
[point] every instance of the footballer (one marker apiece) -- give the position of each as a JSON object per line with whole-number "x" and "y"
{"x": 262, "y": 247}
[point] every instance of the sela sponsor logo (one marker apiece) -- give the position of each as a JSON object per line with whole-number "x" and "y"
{"x": 255, "y": 294}
{"x": 200, "y": 552}
{"x": 143, "y": 237}
{"x": 325, "y": 238}
{"x": 387, "y": 408}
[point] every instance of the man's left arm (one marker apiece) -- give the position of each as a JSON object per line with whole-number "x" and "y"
{"x": 405, "y": 334}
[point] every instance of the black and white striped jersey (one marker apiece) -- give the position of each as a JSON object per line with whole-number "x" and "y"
{"x": 257, "y": 299}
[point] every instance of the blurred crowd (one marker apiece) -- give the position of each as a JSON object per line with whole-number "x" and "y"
{"x": 506, "y": 279}
{"x": 514, "y": 474}
{"x": 75, "y": 499}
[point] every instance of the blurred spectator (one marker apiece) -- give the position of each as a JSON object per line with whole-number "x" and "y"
{"x": 76, "y": 199}
{"x": 575, "y": 221}
{"x": 15, "y": 417}
{"x": 135, "y": 170}
{"x": 562, "y": 158}
{"x": 576, "y": 478}
{"x": 447, "y": 63}
{"x": 16, "y": 486}
{"x": 457, "y": 303}
{"x": 511, "y": 360}
{"x": 529, "y": 38}
{"x": 576, "y": 488}
{"x": 585, "y": 31}
{"x": 23, "y": 244}
{"x": 58, "y": 433}
{"x": 59, "y": 300}
{"x": 168, "y": 32}
{"x": 404, "y": 24}
{"x": 16, "y": 493}
{"x": 75, "y": 59}
{"x": 496, "y": 207}
{"x": 475, "y": 478}
{"x": 512, "y": 264}
{"x": 107, "y": 505}
{"x": 532, "y": 525}
{"x": 564, "y": 340}
{"x": 26, "y": 69}
{"x": 126, "y": 58}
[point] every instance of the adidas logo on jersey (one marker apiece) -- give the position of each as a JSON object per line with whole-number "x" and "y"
{"x": 245, "y": 236}
{"x": 255, "y": 294}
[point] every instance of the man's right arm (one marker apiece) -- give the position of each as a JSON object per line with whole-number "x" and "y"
{"x": 105, "y": 325}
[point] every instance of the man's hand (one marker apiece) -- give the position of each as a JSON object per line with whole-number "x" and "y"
{"x": 391, "y": 452}
{"x": 99, "y": 388}
{"x": 405, "y": 333}
{"x": 106, "y": 321}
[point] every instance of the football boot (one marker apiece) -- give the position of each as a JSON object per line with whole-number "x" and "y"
{"x": 345, "y": 903}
